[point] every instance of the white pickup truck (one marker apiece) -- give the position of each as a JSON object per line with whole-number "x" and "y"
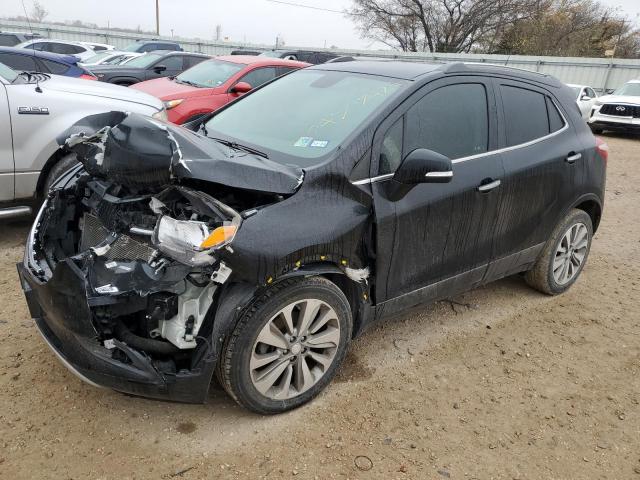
{"x": 34, "y": 109}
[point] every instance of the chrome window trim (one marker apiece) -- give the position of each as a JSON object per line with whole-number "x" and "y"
{"x": 486, "y": 154}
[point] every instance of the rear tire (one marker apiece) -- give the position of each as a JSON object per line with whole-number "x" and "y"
{"x": 564, "y": 255}
{"x": 278, "y": 358}
{"x": 58, "y": 169}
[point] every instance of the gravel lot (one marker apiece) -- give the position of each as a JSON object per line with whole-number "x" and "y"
{"x": 501, "y": 382}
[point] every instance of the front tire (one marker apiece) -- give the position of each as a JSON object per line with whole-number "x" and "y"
{"x": 58, "y": 169}
{"x": 564, "y": 255}
{"x": 287, "y": 345}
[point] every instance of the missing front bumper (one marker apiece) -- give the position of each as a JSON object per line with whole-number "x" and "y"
{"x": 66, "y": 328}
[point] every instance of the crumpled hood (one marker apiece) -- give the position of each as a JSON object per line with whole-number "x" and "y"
{"x": 99, "y": 89}
{"x": 634, "y": 100}
{"x": 141, "y": 152}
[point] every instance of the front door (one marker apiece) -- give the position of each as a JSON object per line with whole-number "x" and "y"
{"x": 434, "y": 233}
{"x": 6, "y": 149}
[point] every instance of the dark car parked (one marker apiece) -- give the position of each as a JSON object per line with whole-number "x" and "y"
{"x": 10, "y": 39}
{"x": 143, "y": 46}
{"x": 147, "y": 67}
{"x": 307, "y": 56}
{"x": 24, "y": 60}
{"x": 257, "y": 244}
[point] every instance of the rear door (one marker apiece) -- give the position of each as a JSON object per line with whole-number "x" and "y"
{"x": 7, "y": 168}
{"x": 430, "y": 232}
{"x": 541, "y": 156}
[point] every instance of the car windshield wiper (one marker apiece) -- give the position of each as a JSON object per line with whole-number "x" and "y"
{"x": 186, "y": 82}
{"x": 238, "y": 146}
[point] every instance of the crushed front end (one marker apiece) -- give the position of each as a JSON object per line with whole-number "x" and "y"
{"x": 121, "y": 292}
{"x": 121, "y": 271}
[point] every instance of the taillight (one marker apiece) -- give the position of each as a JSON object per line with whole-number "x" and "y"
{"x": 86, "y": 76}
{"x": 603, "y": 149}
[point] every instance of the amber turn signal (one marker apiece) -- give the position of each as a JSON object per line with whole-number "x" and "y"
{"x": 219, "y": 237}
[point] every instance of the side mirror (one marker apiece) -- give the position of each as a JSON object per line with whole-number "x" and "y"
{"x": 585, "y": 98}
{"x": 241, "y": 87}
{"x": 159, "y": 68}
{"x": 424, "y": 166}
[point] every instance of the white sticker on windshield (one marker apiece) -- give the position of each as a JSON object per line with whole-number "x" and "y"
{"x": 303, "y": 142}
{"x": 320, "y": 143}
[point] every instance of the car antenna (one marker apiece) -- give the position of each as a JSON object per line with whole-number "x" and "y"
{"x": 35, "y": 61}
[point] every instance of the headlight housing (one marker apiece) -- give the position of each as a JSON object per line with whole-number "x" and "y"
{"x": 169, "y": 104}
{"x": 191, "y": 242}
{"x": 161, "y": 115}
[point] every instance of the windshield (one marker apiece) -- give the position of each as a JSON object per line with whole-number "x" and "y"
{"x": 143, "y": 61}
{"x": 629, "y": 89}
{"x": 210, "y": 73}
{"x": 576, "y": 90}
{"x": 306, "y": 114}
{"x": 6, "y": 73}
{"x": 97, "y": 57}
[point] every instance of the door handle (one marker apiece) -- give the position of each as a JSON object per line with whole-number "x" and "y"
{"x": 487, "y": 187}
{"x": 572, "y": 157}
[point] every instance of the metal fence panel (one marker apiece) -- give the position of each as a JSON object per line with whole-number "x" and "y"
{"x": 600, "y": 73}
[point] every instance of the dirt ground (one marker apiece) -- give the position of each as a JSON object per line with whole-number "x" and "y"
{"x": 500, "y": 383}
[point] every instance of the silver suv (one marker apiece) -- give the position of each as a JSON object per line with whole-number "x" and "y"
{"x": 34, "y": 110}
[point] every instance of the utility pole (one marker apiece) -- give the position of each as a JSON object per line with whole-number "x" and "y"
{"x": 157, "y": 17}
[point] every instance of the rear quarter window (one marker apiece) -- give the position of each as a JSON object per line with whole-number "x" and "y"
{"x": 54, "y": 67}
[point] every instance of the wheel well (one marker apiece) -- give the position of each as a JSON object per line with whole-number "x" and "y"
{"x": 353, "y": 293}
{"x": 44, "y": 173}
{"x": 594, "y": 210}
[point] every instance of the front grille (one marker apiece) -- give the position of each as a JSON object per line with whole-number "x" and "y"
{"x": 124, "y": 248}
{"x": 618, "y": 110}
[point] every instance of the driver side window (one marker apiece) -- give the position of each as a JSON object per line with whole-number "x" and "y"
{"x": 391, "y": 151}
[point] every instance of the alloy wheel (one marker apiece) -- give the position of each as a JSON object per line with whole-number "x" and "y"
{"x": 294, "y": 349}
{"x": 570, "y": 253}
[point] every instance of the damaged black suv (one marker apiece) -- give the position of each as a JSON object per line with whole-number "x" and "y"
{"x": 257, "y": 243}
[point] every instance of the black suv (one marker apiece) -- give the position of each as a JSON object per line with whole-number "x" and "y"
{"x": 256, "y": 244}
{"x": 147, "y": 67}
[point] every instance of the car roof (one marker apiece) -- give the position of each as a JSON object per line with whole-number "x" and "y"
{"x": 412, "y": 70}
{"x": 157, "y": 41}
{"x": 254, "y": 59}
{"x": 66, "y": 59}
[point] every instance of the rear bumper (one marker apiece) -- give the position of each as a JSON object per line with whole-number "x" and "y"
{"x": 63, "y": 317}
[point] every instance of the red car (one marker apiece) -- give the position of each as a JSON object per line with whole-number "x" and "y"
{"x": 211, "y": 84}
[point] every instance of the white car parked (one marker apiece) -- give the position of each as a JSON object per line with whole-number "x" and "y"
{"x": 60, "y": 47}
{"x": 39, "y": 107}
{"x": 619, "y": 111}
{"x": 98, "y": 47}
{"x": 111, "y": 57}
{"x": 585, "y": 98}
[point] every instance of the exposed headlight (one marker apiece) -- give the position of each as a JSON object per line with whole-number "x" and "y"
{"x": 161, "y": 115}
{"x": 191, "y": 242}
{"x": 169, "y": 104}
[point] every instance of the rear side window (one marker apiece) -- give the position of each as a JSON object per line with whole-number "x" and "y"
{"x": 20, "y": 63}
{"x": 166, "y": 46}
{"x": 528, "y": 115}
{"x": 65, "y": 49}
{"x": 452, "y": 120}
{"x": 556, "y": 122}
{"x": 191, "y": 61}
{"x": 54, "y": 67}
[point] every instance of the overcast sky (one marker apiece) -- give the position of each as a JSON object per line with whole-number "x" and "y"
{"x": 254, "y": 21}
